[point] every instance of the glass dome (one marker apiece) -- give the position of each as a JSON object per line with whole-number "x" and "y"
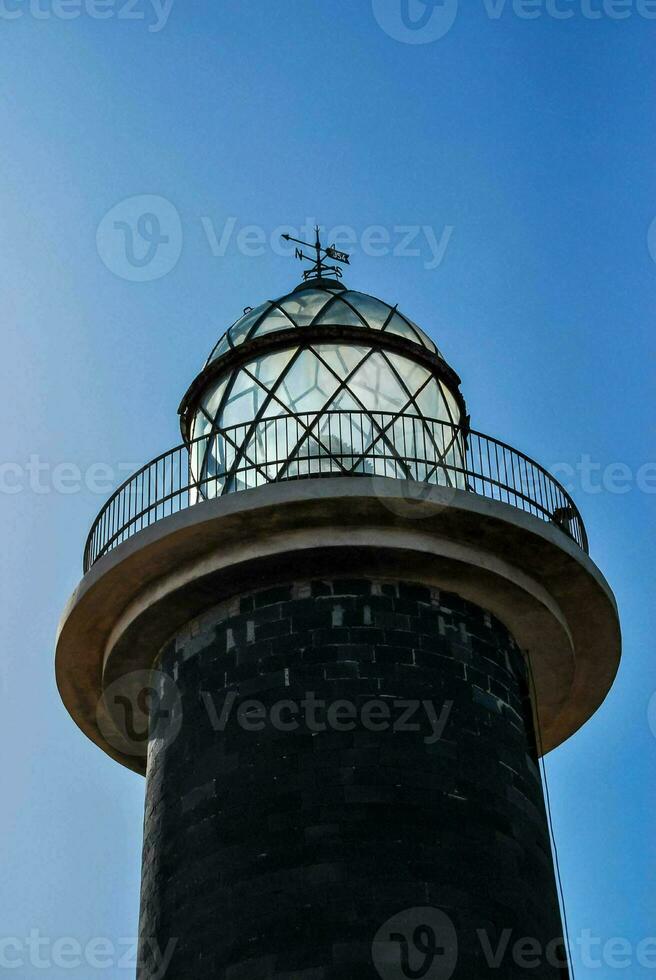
{"x": 321, "y": 406}
{"x": 325, "y": 305}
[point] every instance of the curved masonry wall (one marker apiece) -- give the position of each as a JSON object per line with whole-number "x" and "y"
{"x": 353, "y": 793}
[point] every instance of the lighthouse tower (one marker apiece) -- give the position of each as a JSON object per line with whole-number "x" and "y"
{"x": 335, "y": 629}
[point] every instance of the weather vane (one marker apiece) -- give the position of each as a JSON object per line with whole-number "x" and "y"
{"x": 320, "y": 269}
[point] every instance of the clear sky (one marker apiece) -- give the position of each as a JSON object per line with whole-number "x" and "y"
{"x": 523, "y": 149}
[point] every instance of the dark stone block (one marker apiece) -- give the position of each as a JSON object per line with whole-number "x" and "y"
{"x": 400, "y": 638}
{"x": 330, "y": 636}
{"x": 292, "y": 644}
{"x": 418, "y": 593}
{"x": 366, "y": 635}
{"x": 268, "y": 596}
{"x": 274, "y": 629}
{"x": 321, "y": 588}
{"x": 394, "y": 655}
{"x": 348, "y": 587}
{"x": 268, "y": 613}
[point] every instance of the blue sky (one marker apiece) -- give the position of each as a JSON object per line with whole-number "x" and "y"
{"x": 525, "y": 145}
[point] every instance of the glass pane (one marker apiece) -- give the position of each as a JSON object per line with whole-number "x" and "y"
{"x": 374, "y": 311}
{"x": 375, "y": 384}
{"x": 212, "y": 399}
{"x": 274, "y": 408}
{"x": 258, "y": 455}
{"x": 431, "y": 403}
{"x": 339, "y": 313}
{"x": 308, "y": 384}
{"x": 209, "y": 488}
{"x": 408, "y": 437}
{"x": 225, "y": 449}
{"x": 341, "y": 358}
{"x": 303, "y": 307}
{"x": 197, "y": 458}
{"x": 379, "y": 466}
{"x": 201, "y": 425}
{"x": 220, "y": 349}
{"x": 312, "y": 457}
{"x": 438, "y": 435}
{"x": 268, "y": 368}
{"x": 282, "y": 436}
{"x": 272, "y": 443}
{"x": 243, "y": 402}
{"x": 423, "y": 336}
{"x": 401, "y": 327}
{"x": 345, "y": 402}
{"x": 273, "y": 321}
{"x": 336, "y": 435}
{"x": 245, "y": 478}
{"x": 412, "y": 374}
{"x": 238, "y": 331}
{"x": 382, "y": 442}
{"x": 210, "y": 472}
{"x": 349, "y": 434}
{"x": 454, "y": 461}
{"x": 451, "y": 403}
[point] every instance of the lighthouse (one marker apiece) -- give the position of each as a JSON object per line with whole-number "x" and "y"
{"x": 336, "y": 628}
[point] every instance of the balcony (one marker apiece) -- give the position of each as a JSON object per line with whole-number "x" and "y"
{"x": 340, "y": 443}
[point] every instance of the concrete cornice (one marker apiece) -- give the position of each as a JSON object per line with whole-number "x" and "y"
{"x": 528, "y": 573}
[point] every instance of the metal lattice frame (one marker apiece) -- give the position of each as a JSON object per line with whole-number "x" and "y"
{"x": 334, "y": 295}
{"x": 274, "y": 394}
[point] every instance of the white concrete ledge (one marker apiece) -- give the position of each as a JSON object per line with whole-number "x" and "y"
{"x": 528, "y": 573}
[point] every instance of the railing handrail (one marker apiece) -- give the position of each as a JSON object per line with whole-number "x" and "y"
{"x": 463, "y": 438}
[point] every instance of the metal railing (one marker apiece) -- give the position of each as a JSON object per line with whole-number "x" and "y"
{"x": 331, "y": 444}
